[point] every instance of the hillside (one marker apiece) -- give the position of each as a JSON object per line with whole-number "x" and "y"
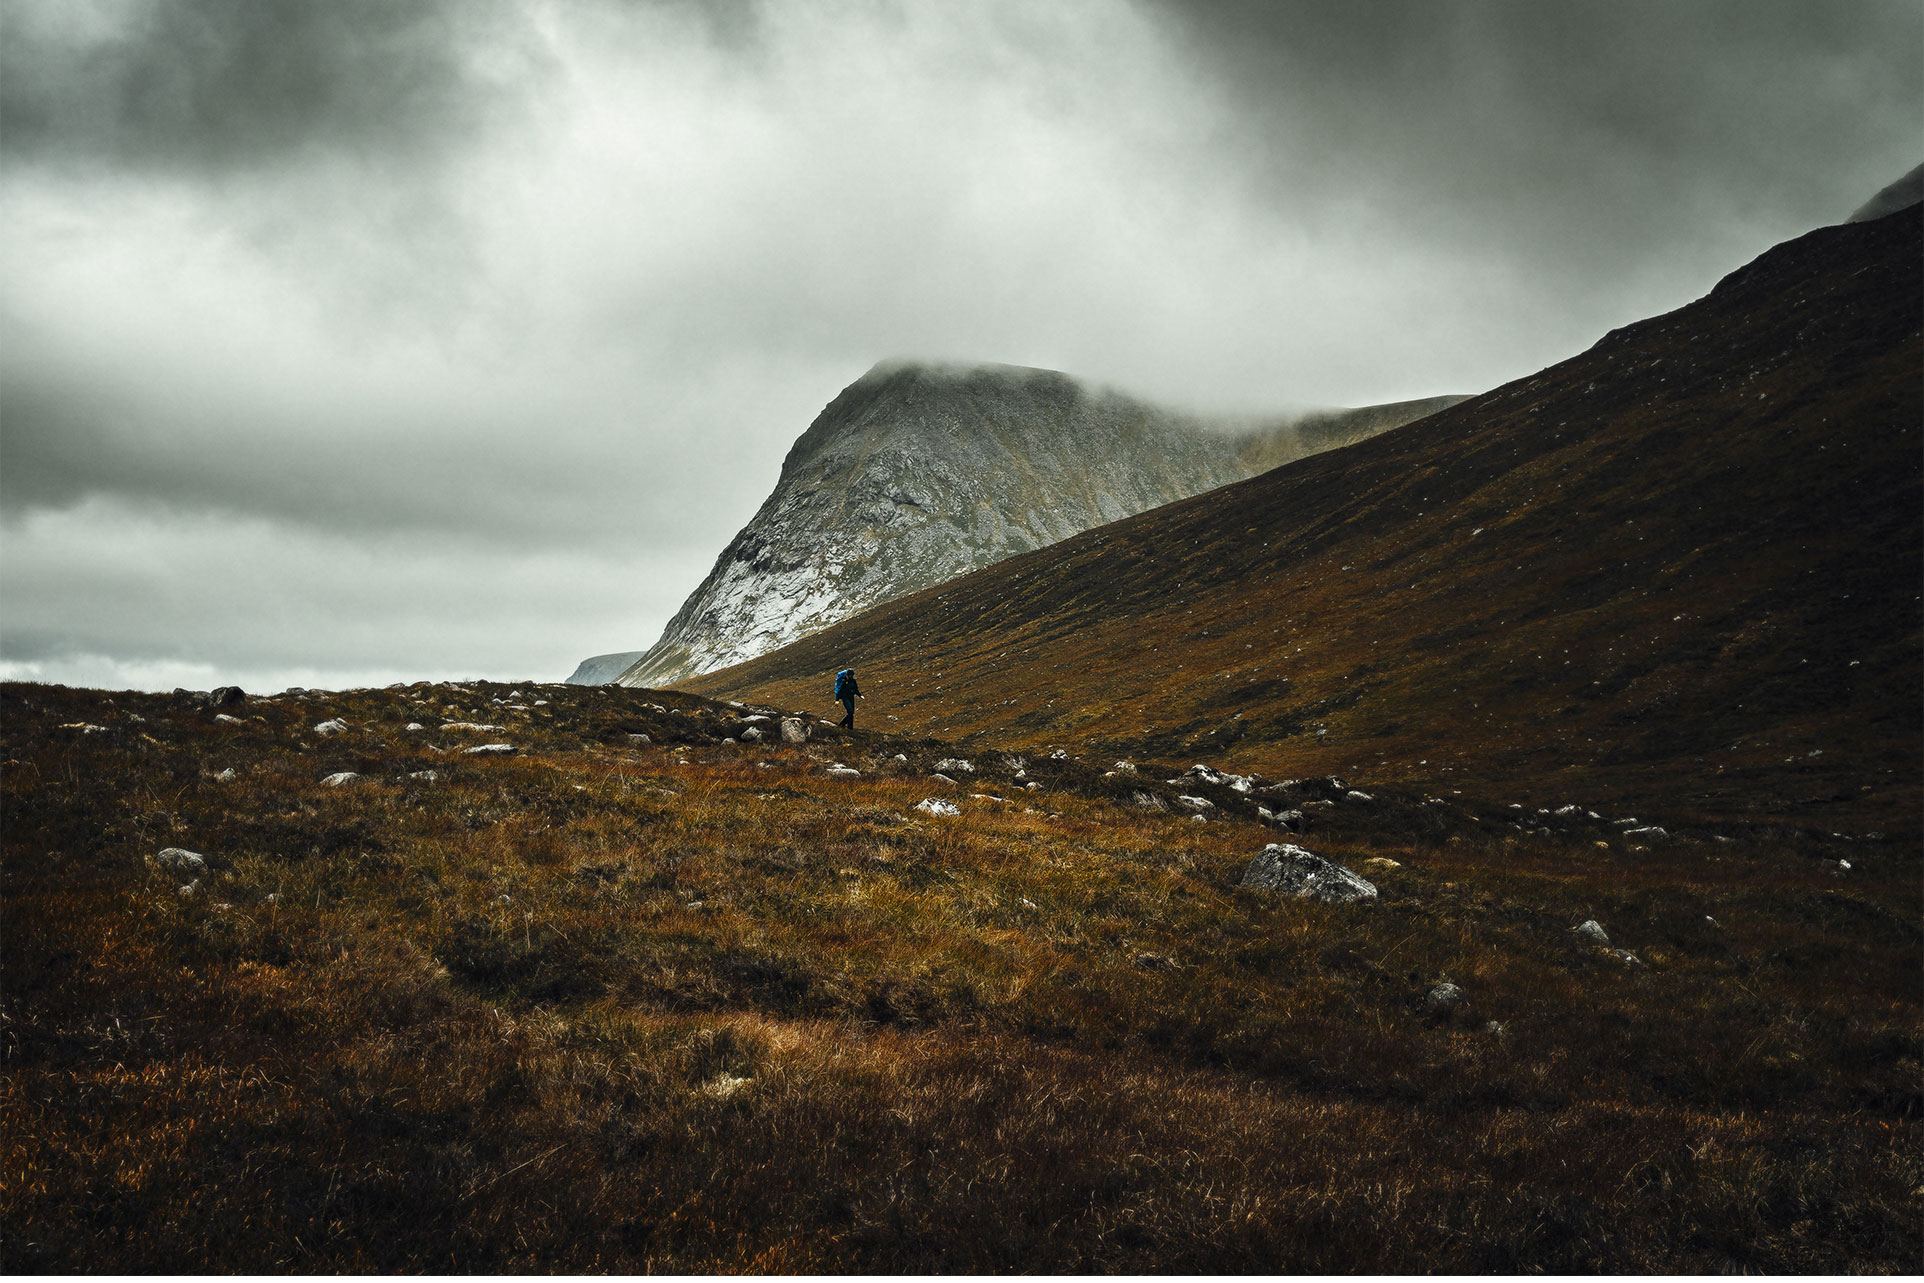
{"x": 316, "y": 983}
{"x": 918, "y": 473}
{"x": 1680, "y": 570}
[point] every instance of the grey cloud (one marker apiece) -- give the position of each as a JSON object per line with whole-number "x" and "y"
{"x": 219, "y": 86}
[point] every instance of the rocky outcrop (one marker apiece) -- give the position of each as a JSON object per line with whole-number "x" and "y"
{"x": 916, "y": 474}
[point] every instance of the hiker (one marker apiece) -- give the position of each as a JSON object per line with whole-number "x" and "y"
{"x": 847, "y": 692}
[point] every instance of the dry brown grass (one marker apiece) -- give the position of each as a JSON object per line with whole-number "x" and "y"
{"x": 697, "y": 1006}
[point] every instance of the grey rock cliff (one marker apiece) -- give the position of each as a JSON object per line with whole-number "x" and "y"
{"x": 917, "y": 473}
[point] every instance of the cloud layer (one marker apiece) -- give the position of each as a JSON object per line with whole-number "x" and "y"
{"x": 371, "y": 340}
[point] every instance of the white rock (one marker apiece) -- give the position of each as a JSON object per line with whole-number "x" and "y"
{"x": 1591, "y": 930}
{"x": 1196, "y": 803}
{"x": 1444, "y": 997}
{"x": 936, "y": 806}
{"x": 489, "y": 748}
{"x": 228, "y": 718}
{"x": 1126, "y": 766}
{"x": 1060, "y": 755}
{"x": 1648, "y": 831}
{"x": 470, "y": 726}
{"x": 638, "y": 738}
{"x": 955, "y": 764}
{"x": 431, "y": 776}
{"x": 1295, "y": 871}
{"x": 900, "y": 757}
{"x": 415, "y": 726}
{"x": 1032, "y": 786}
{"x": 332, "y": 727}
{"x": 939, "y": 776}
{"x": 1357, "y": 795}
{"x": 175, "y": 857}
{"x": 226, "y": 777}
{"x": 339, "y": 778}
{"x": 840, "y": 772}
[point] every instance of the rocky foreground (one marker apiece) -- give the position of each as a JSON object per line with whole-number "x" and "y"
{"x": 477, "y": 978}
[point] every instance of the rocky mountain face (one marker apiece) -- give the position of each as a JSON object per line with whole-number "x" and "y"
{"x": 918, "y": 473}
{"x": 599, "y": 670}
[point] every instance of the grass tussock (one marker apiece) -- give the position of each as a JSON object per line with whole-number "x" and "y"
{"x": 693, "y": 1005}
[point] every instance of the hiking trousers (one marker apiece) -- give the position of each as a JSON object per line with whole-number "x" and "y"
{"x": 848, "y": 702}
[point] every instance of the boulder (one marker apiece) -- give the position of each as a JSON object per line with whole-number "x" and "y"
{"x": 225, "y": 696}
{"x": 489, "y": 748}
{"x": 794, "y": 731}
{"x": 333, "y": 726}
{"x": 1196, "y": 803}
{"x": 936, "y": 806}
{"x": 1293, "y": 871}
{"x": 1592, "y": 931}
{"x": 840, "y": 772}
{"x": 752, "y": 734}
{"x": 1443, "y": 999}
{"x": 175, "y": 857}
{"x": 339, "y": 778}
{"x": 638, "y": 738}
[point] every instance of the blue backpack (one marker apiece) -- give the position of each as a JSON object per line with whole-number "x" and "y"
{"x": 843, "y": 680}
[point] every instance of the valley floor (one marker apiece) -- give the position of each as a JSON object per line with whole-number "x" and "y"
{"x": 693, "y": 1005}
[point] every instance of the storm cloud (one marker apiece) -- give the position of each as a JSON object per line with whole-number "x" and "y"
{"x": 352, "y": 341}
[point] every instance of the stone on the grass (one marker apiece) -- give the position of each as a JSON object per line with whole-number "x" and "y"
{"x": 1196, "y": 803}
{"x": 489, "y": 748}
{"x": 176, "y": 857}
{"x": 1032, "y": 786}
{"x": 1382, "y": 862}
{"x": 1291, "y": 870}
{"x": 1444, "y": 997}
{"x": 1126, "y": 767}
{"x": 225, "y": 776}
{"x": 1149, "y": 801}
{"x": 415, "y": 726}
{"x": 429, "y": 776}
{"x": 333, "y": 726}
{"x": 190, "y": 888}
{"x": 1648, "y": 831}
{"x": 471, "y": 726}
{"x": 229, "y": 719}
{"x": 794, "y": 731}
{"x": 1291, "y": 820}
{"x": 223, "y": 696}
{"x": 1357, "y": 795}
{"x": 1626, "y": 957}
{"x": 936, "y": 806}
{"x": 1593, "y": 931}
{"x": 639, "y": 738}
{"x": 840, "y": 772}
{"x": 955, "y": 764}
{"x": 1060, "y": 755}
{"x": 939, "y": 776}
{"x": 752, "y": 734}
{"x": 339, "y": 778}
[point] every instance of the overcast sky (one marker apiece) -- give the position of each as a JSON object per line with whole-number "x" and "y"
{"x": 350, "y": 341}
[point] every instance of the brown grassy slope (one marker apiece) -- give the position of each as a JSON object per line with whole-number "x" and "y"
{"x": 1679, "y": 571}
{"x": 697, "y": 1006}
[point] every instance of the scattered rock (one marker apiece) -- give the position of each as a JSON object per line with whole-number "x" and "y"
{"x": 640, "y": 739}
{"x": 1357, "y": 795}
{"x": 794, "y": 731}
{"x": 955, "y": 764}
{"x": 1060, "y": 755}
{"x": 1196, "y": 803}
{"x": 1294, "y": 871}
{"x": 939, "y": 776}
{"x": 225, "y": 776}
{"x": 431, "y": 776}
{"x": 1149, "y": 801}
{"x": 229, "y": 719}
{"x": 190, "y": 888}
{"x": 1032, "y": 786}
{"x": 339, "y": 778}
{"x": 85, "y": 728}
{"x": 1626, "y": 957}
{"x": 752, "y": 734}
{"x": 1126, "y": 766}
{"x": 489, "y": 748}
{"x": 1592, "y": 931}
{"x": 936, "y": 806}
{"x": 414, "y": 727}
{"x": 1155, "y": 961}
{"x": 1648, "y": 831}
{"x": 840, "y": 772}
{"x": 334, "y": 726}
{"x": 1382, "y": 862}
{"x": 1443, "y": 999}
{"x": 226, "y": 696}
{"x": 176, "y": 857}
{"x": 470, "y": 726}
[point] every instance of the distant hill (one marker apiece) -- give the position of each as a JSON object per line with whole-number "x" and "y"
{"x": 599, "y": 670}
{"x": 918, "y": 473}
{"x": 1682, "y": 567}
